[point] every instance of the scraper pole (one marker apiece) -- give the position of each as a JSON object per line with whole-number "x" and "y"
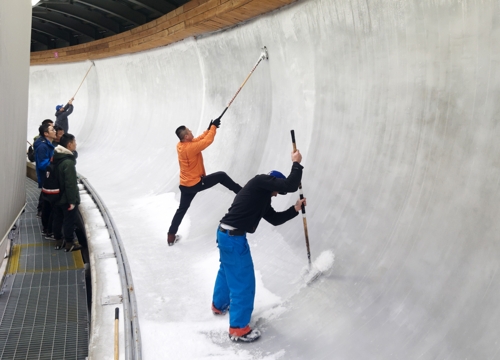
{"x": 304, "y": 220}
{"x": 84, "y": 78}
{"x": 117, "y": 347}
{"x": 263, "y": 55}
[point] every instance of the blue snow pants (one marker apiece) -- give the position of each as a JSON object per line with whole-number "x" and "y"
{"x": 235, "y": 283}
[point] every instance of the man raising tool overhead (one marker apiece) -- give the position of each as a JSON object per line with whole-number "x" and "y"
{"x": 62, "y": 113}
{"x": 193, "y": 178}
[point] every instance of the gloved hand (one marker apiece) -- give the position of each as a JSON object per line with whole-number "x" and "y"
{"x": 216, "y": 122}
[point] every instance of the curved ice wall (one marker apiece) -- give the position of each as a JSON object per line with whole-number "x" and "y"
{"x": 395, "y": 109}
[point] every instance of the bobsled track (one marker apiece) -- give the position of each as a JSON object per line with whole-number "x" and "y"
{"x": 395, "y": 110}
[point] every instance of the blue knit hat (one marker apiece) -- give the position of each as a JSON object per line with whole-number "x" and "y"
{"x": 278, "y": 175}
{"x": 58, "y": 107}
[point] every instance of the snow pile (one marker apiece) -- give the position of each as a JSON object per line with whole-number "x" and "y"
{"x": 325, "y": 260}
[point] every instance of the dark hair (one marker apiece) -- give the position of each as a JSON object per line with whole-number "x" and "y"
{"x": 180, "y": 132}
{"x": 57, "y": 128}
{"x": 66, "y": 139}
{"x": 44, "y": 128}
{"x": 47, "y": 121}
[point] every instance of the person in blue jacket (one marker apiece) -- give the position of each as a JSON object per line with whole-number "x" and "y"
{"x": 235, "y": 283}
{"x": 40, "y": 200}
{"x": 44, "y": 150}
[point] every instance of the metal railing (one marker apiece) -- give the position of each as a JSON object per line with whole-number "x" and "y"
{"x": 133, "y": 349}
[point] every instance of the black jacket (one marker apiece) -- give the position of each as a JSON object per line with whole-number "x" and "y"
{"x": 68, "y": 178}
{"x": 253, "y": 202}
{"x": 62, "y": 117}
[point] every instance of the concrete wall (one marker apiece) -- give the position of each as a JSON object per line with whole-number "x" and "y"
{"x": 15, "y": 24}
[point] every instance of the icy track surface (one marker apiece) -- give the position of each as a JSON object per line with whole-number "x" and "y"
{"x": 395, "y": 109}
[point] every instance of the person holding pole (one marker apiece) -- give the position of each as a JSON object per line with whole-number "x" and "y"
{"x": 235, "y": 283}
{"x": 193, "y": 178}
{"x": 62, "y": 113}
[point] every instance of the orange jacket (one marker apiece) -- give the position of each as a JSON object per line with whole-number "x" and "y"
{"x": 190, "y": 158}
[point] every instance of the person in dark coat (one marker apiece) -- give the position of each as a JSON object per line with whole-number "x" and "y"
{"x": 235, "y": 284}
{"x": 66, "y": 209}
{"x": 59, "y": 132}
{"x": 62, "y": 113}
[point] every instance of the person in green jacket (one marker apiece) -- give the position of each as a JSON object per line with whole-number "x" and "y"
{"x": 66, "y": 209}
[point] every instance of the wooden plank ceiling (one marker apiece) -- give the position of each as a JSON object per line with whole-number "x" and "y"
{"x": 192, "y": 18}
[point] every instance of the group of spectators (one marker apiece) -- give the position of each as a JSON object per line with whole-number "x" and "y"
{"x": 54, "y": 145}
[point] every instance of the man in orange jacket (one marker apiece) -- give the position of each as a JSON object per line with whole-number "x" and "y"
{"x": 193, "y": 178}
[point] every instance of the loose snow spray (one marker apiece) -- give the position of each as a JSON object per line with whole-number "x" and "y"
{"x": 321, "y": 265}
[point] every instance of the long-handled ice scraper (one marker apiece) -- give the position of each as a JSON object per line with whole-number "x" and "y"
{"x": 326, "y": 258}
{"x": 263, "y": 55}
{"x": 90, "y": 68}
{"x": 303, "y": 207}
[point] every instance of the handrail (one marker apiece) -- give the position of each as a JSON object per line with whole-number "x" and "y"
{"x": 133, "y": 349}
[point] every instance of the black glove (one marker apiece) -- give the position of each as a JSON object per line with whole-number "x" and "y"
{"x": 216, "y": 122}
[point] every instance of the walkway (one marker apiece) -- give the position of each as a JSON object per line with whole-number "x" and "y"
{"x": 43, "y": 300}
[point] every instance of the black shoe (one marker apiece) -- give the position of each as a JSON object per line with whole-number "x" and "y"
{"x": 60, "y": 244}
{"x": 72, "y": 247}
{"x": 172, "y": 239}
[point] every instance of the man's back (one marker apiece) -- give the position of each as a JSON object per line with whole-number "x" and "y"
{"x": 62, "y": 117}
{"x": 253, "y": 202}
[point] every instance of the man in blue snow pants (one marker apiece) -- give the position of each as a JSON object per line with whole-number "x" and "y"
{"x": 235, "y": 283}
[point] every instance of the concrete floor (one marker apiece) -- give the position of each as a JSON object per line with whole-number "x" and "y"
{"x": 395, "y": 109}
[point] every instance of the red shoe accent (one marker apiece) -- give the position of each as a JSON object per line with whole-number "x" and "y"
{"x": 217, "y": 311}
{"x": 239, "y": 331}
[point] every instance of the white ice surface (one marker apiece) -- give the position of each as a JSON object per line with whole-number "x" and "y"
{"x": 395, "y": 109}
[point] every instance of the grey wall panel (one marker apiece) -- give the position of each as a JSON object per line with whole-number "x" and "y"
{"x": 395, "y": 108}
{"x": 15, "y": 22}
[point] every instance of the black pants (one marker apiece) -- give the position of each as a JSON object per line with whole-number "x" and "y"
{"x": 80, "y": 229}
{"x": 46, "y": 216}
{"x": 64, "y": 222}
{"x": 40, "y": 202}
{"x": 188, "y": 194}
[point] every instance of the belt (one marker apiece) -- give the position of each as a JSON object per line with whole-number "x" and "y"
{"x": 235, "y": 232}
